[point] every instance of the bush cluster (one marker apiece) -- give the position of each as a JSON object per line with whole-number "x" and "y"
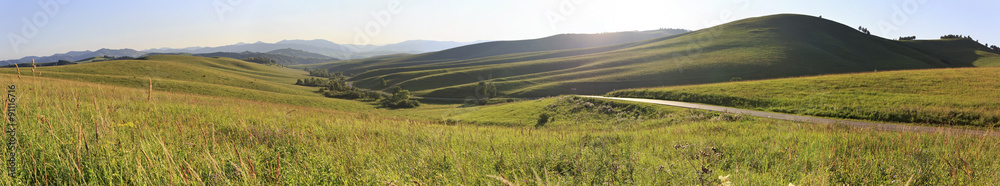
{"x": 400, "y": 99}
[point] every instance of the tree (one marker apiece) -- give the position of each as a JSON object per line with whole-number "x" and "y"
{"x": 395, "y": 89}
{"x": 864, "y": 30}
{"x": 63, "y": 62}
{"x": 383, "y": 82}
{"x": 298, "y": 82}
{"x": 399, "y": 99}
{"x": 484, "y": 91}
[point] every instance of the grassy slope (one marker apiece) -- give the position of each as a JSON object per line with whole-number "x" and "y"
{"x": 199, "y": 75}
{"x": 961, "y": 52}
{"x": 756, "y": 48}
{"x": 964, "y": 96}
{"x": 569, "y": 111}
{"x": 349, "y": 63}
{"x": 557, "y": 42}
{"x": 86, "y": 133}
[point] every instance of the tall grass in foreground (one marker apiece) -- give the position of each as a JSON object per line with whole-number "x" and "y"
{"x": 84, "y": 133}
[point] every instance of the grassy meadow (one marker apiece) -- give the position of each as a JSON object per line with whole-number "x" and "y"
{"x": 80, "y": 131}
{"x": 223, "y": 77}
{"x": 86, "y": 133}
{"x": 942, "y": 97}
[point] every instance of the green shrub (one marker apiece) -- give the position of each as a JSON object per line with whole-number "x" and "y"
{"x": 543, "y": 119}
{"x": 399, "y": 99}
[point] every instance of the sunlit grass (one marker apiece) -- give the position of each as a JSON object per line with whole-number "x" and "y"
{"x": 76, "y": 133}
{"x": 956, "y": 97}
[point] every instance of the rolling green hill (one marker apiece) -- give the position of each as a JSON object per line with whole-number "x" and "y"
{"x": 349, "y": 62}
{"x": 83, "y": 133}
{"x": 956, "y": 97}
{"x": 765, "y": 47}
{"x": 222, "y": 77}
{"x": 557, "y": 42}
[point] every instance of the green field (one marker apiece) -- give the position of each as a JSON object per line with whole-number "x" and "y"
{"x": 223, "y": 77}
{"x": 85, "y": 133}
{"x": 940, "y": 97}
{"x": 114, "y": 131}
{"x": 766, "y": 47}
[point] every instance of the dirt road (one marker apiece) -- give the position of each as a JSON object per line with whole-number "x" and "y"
{"x": 809, "y": 119}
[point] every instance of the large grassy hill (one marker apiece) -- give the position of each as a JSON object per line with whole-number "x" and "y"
{"x": 551, "y": 43}
{"x": 957, "y": 97}
{"x": 756, "y": 48}
{"x": 223, "y": 77}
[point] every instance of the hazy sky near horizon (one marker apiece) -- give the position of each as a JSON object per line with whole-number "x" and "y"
{"x": 46, "y": 27}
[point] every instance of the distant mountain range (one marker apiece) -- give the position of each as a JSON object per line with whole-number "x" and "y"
{"x": 318, "y": 46}
{"x": 75, "y": 56}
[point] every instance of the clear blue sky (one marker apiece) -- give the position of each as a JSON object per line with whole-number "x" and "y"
{"x": 70, "y": 25}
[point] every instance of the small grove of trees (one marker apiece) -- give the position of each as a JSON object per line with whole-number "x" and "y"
{"x": 338, "y": 88}
{"x": 320, "y": 72}
{"x": 400, "y": 99}
{"x": 63, "y": 62}
{"x": 484, "y": 91}
{"x": 312, "y": 82}
{"x": 864, "y": 30}
{"x": 992, "y": 48}
{"x": 335, "y": 86}
{"x": 260, "y": 60}
{"x": 907, "y": 38}
{"x": 953, "y": 36}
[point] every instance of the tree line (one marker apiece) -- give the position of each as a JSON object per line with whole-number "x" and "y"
{"x": 260, "y": 60}
{"x": 953, "y": 36}
{"x": 322, "y": 72}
